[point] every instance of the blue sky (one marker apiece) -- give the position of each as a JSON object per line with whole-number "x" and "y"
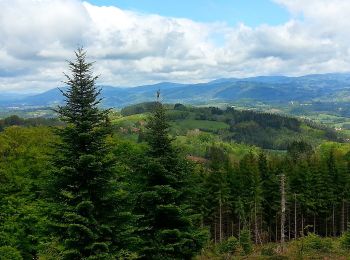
{"x": 249, "y": 12}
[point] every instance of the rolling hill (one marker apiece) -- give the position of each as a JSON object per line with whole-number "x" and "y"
{"x": 265, "y": 130}
{"x": 273, "y": 90}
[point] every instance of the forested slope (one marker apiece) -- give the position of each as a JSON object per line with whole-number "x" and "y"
{"x": 169, "y": 182}
{"x": 233, "y": 188}
{"x": 265, "y": 130}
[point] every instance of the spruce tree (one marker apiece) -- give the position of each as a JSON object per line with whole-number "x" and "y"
{"x": 83, "y": 188}
{"x": 169, "y": 231}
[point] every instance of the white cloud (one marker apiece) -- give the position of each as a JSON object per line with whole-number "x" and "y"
{"x": 37, "y": 36}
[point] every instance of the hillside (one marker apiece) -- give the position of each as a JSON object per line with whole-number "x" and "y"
{"x": 265, "y": 130}
{"x": 271, "y": 90}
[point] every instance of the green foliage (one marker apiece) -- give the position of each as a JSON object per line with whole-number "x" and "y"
{"x": 245, "y": 241}
{"x": 203, "y": 125}
{"x": 345, "y": 240}
{"x": 267, "y": 130}
{"x": 229, "y": 246}
{"x": 15, "y": 120}
{"x": 7, "y": 253}
{"x": 110, "y": 197}
{"x": 138, "y": 108}
{"x": 23, "y": 174}
{"x": 269, "y": 250}
{"x": 313, "y": 242}
{"x": 168, "y": 231}
{"x": 299, "y": 149}
{"x": 88, "y": 218}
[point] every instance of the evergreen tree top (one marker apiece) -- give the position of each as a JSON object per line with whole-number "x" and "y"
{"x": 82, "y": 96}
{"x": 158, "y": 133}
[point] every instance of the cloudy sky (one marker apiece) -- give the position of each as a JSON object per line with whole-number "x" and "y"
{"x": 138, "y": 42}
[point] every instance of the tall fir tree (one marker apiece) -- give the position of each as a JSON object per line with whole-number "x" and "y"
{"x": 169, "y": 228}
{"x": 87, "y": 219}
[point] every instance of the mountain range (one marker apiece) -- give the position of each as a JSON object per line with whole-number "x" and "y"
{"x": 267, "y": 89}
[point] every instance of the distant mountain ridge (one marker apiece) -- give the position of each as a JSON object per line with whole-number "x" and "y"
{"x": 269, "y": 89}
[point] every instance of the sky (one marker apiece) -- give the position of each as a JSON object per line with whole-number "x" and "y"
{"x": 136, "y": 42}
{"x": 251, "y": 12}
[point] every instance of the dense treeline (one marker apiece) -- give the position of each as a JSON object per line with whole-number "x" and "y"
{"x": 228, "y": 195}
{"x": 248, "y": 193}
{"x": 81, "y": 191}
{"x": 229, "y": 115}
{"x": 266, "y": 130}
{"x": 15, "y": 120}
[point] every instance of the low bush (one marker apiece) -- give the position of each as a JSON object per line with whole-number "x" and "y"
{"x": 268, "y": 250}
{"x": 229, "y": 246}
{"x": 345, "y": 240}
{"x": 313, "y": 242}
{"x": 8, "y": 252}
{"x": 246, "y": 241}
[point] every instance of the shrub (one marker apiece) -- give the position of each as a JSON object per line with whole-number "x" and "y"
{"x": 313, "y": 242}
{"x": 268, "y": 250}
{"x": 246, "y": 241}
{"x": 229, "y": 246}
{"x": 8, "y": 252}
{"x": 345, "y": 240}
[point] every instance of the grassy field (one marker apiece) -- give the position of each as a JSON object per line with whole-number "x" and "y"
{"x": 204, "y": 125}
{"x": 128, "y": 121}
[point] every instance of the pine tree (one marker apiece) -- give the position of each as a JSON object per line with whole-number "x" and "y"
{"x": 270, "y": 191}
{"x": 83, "y": 187}
{"x": 251, "y": 188}
{"x": 169, "y": 230}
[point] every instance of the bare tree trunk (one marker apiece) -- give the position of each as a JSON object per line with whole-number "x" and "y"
{"x": 343, "y": 217}
{"x": 347, "y": 216}
{"x": 220, "y": 220}
{"x": 239, "y": 227}
{"x": 255, "y": 224}
{"x": 262, "y": 240}
{"x": 302, "y": 224}
{"x": 314, "y": 223}
{"x": 295, "y": 217}
{"x": 232, "y": 228}
{"x": 249, "y": 221}
{"x": 288, "y": 225}
{"x": 333, "y": 221}
{"x": 326, "y": 227}
{"x": 276, "y": 235}
{"x": 261, "y": 226}
{"x": 215, "y": 232}
{"x": 283, "y": 210}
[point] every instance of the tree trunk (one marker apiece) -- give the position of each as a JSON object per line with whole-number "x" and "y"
{"x": 276, "y": 235}
{"x": 255, "y": 224}
{"x": 232, "y": 228}
{"x": 239, "y": 227}
{"x": 283, "y": 210}
{"x": 314, "y": 223}
{"x": 288, "y": 225}
{"x": 347, "y": 216}
{"x": 333, "y": 221}
{"x": 343, "y": 217}
{"x": 302, "y": 224}
{"x": 215, "y": 232}
{"x": 220, "y": 220}
{"x": 261, "y": 226}
{"x": 295, "y": 217}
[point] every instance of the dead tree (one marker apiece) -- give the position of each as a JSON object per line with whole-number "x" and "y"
{"x": 283, "y": 209}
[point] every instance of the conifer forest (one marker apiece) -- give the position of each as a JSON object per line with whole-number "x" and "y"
{"x": 161, "y": 180}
